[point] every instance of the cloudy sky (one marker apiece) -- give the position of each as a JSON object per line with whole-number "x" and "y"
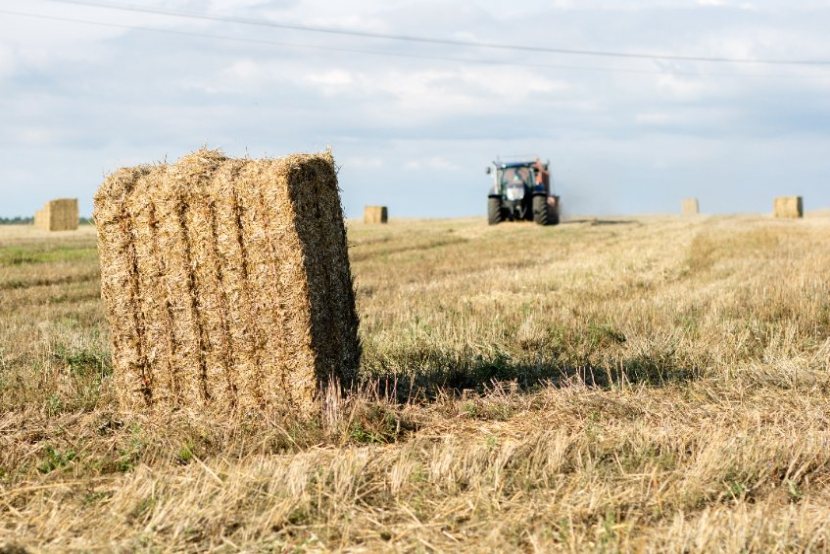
{"x": 413, "y": 125}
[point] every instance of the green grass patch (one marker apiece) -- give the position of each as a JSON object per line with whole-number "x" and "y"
{"x": 84, "y": 362}
{"x": 55, "y": 459}
{"x": 17, "y": 255}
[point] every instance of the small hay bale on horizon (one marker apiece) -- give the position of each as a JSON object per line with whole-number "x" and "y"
{"x": 690, "y": 206}
{"x": 58, "y": 215}
{"x": 788, "y": 207}
{"x": 227, "y": 283}
{"x": 375, "y": 214}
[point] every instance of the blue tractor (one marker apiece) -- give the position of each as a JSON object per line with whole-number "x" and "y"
{"x": 521, "y": 191}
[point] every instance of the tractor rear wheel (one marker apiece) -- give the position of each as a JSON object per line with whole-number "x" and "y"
{"x": 553, "y": 218}
{"x": 554, "y": 210}
{"x": 495, "y": 214}
{"x": 540, "y": 209}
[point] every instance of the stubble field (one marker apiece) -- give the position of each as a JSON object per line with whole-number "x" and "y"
{"x": 643, "y": 384}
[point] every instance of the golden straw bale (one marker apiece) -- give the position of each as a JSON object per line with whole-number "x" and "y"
{"x": 375, "y": 214}
{"x": 42, "y": 219}
{"x": 227, "y": 282}
{"x": 58, "y": 215}
{"x": 790, "y": 207}
{"x": 691, "y": 206}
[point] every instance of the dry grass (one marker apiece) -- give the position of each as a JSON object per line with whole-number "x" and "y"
{"x": 653, "y": 384}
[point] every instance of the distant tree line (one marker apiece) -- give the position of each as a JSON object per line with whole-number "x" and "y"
{"x": 19, "y": 220}
{"x": 16, "y": 220}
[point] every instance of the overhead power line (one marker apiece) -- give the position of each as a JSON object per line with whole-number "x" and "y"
{"x": 385, "y": 53}
{"x": 442, "y": 41}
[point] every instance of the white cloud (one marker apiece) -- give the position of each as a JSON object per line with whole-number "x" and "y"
{"x": 232, "y": 5}
{"x": 432, "y": 93}
{"x": 654, "y": 118}
{"x": 387, "y": 93}
{"x": 35, "y": 136}
{"x": 331, "y": 82}
{"x": 6, "y": 61}
{"x": 435, "y": 163}
{"x": 681, "y": 88}
{"x": 362, "y": 162}
{"x": 245, "y": 71}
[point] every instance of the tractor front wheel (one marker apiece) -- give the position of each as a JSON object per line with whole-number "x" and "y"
{"x": 540, "y": 209}
{"x": 495, "y": 214}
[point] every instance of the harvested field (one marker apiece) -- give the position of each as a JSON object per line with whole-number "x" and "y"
{"x": 227, "y": 283}
{"x": 375, "y": 214}
{"x": 639, "y": 384}
{"x": 788, "y": 207}
{"x": 58, "y": 215}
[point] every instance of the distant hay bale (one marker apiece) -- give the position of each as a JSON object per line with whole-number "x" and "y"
{"x": 790, "y": 207}
{"x": 227, "y": 282}
{"x": 691, "y": 206}
{"x": 58, "y": 215}
{"x": 375, "y": 214}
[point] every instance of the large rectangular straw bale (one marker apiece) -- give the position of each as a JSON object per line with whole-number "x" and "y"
{"x": 226, "y": 282}
{"x": 375, "y": 214}
{"x": 58, "y": 215}
{"x": 791, "y": 207}
{"x": 691, "y": 206}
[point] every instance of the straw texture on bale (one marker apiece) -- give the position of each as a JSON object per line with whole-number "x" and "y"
{"x": 691, "y": 206}
{"x": 375, "y": 214}
{"x": 58, "y": 215}
{"x": 227, "y": 282}
{"x": 791, "y": 207}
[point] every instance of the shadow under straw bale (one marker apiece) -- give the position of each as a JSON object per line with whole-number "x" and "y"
{"x": 439, "y": 373}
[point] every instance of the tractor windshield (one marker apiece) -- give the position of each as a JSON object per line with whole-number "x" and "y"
{"x": 516, "y": 176}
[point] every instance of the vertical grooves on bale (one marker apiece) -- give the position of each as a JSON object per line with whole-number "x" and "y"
{"x": 283, "y": 326}
{"x": 170, "y": 189}
{"x": 276, "y": 307}
{"x": 193, "y": 299}
{"x": 170, "y": 379}
{"x": 260, "y": 277}
{"x": 135, "y": 296}
{"x": 270, "y": 298}
{"x": 240, "y": 336}
{"x": 209, "y": 306}
{"x": 225, "y": 334}
{"x": 119, "y": 288}
{"x": 253, "y": 355}
{"x": 154, "y": 336}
